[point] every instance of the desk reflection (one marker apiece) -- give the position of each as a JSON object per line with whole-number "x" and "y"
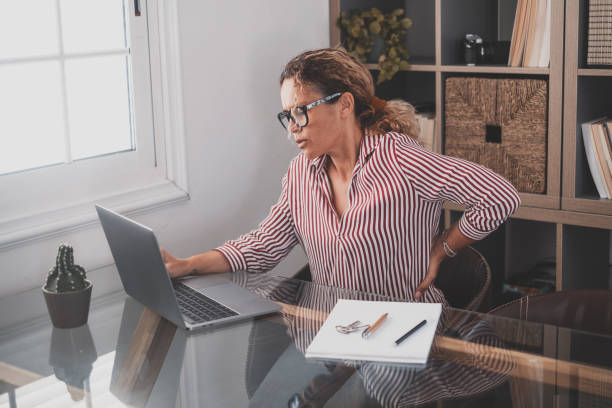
{"x": 148, "y": 359}
{"x": 71, "y": 354}
{"x": 476, "y": 360}
{"x": 363, "y": 384}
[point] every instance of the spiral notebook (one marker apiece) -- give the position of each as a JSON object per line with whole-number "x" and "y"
{"x": 380, "y": 345}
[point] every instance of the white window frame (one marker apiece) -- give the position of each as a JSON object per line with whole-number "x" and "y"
{"x": 155, "y": 179}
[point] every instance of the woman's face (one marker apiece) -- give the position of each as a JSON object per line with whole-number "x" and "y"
{"x": 321, "y": 135}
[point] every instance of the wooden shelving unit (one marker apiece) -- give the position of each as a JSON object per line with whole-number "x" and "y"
{"x": 587, "y": 96}
{"x": 569, "y": 218}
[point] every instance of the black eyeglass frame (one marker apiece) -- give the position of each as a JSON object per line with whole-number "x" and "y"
{"x": 304, "y": 109}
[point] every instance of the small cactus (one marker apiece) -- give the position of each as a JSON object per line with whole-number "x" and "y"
{"x": 65, "y": 276}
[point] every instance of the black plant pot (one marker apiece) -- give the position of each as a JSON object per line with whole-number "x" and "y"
{"x": 68, "y": 309}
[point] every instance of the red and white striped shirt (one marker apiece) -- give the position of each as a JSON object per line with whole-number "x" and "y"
{"x": 381, "y": 244}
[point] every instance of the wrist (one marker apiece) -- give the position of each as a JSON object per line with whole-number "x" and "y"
{"x": 448, "y": 251}
{"x": 190, "y": 265}
{"x": 437, "y": 254}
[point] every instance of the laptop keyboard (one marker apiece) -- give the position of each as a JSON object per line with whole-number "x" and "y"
{"x": 198, "y": 307}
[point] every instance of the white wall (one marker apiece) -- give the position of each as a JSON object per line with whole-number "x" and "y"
{"x": 232, "y": 55}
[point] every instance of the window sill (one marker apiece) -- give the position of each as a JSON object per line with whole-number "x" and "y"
{"x": 55, "y": 222}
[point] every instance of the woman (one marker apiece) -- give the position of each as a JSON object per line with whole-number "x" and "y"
{"x": 363, "y": 198}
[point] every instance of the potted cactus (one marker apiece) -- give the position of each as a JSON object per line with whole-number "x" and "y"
{"x": 67, "y": 291}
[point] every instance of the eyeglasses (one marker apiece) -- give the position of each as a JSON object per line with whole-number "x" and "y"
{"x": 299, "y": 114}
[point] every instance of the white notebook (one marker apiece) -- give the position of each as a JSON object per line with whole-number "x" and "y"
{"x": 380, "y": 345}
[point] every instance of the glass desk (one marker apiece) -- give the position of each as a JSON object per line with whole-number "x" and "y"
{"x": 129, "y": 356}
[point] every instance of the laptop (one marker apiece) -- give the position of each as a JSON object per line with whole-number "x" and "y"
{"x": 190, "y": 303}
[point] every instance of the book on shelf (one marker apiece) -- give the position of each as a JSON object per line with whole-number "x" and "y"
{"x": 606, "y": 125}
{"x": 539, "y": 279}
{"x": 544, "y": 59}
{"x": 599, "y": 35}
{"x": 522, "y": 291}
{"x": 518, "y": 34}
{"x": 531, "y": 53}
{"x": 427, "y": 123}
{"x": 530, "y": 45}
{"x": 593, "y": 147}
{"x": 602, "y": 130}
{"x": 602, "y": 155}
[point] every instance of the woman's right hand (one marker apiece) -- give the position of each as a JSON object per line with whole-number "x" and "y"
{"x": 176, "y": 267}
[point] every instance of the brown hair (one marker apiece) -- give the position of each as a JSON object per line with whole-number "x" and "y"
{"x": 334, "y": 70}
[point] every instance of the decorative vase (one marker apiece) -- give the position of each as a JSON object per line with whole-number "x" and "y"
{"x": 68, "y": 309}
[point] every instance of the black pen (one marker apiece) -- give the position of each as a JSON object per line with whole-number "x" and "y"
{"x": 405, "y": 336}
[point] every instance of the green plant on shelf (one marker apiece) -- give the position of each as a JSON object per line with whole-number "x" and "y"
{"x": 359, "y": 28}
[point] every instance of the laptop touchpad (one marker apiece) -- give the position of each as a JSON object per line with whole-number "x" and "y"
{"x": 207, "y": 281}
{"x": 231, "y": 295}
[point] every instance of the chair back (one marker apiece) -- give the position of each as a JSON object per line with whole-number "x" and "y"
{"x": 588, "y": 310}
{"x": 465, "y": 280}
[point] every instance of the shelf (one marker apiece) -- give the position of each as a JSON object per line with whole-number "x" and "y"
{"x": 568, "y": 223}
{"x": 585, "y": 259}
{"x": 412, "y": 67}
{"x": 416, "y": 87}
{"x": 595, "y": 198}
{"x": 528, "y": 200}
{"x": 594, "y": 72}
{"x": 586, "y": 95}
{"x": 566, "y": 217}
{"x": 478, "y": 69}
{"x": 479, "y": 17}
{"x": 589, "y": 205}
{"x": 495, "y": 69}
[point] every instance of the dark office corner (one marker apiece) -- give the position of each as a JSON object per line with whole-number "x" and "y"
{"x": 585, "y": 258}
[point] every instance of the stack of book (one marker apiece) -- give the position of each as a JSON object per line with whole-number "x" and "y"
{"x": 599, "y": 44}
{"x": 538, "y": 280}
{"x": 530, "y": 45}
{"x": 427, "y": 122}
{"x": 598, "y": 149}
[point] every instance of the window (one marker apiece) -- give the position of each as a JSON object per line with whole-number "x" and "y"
{"x": 86, "y": 87}
{"x": 66, "y": 70}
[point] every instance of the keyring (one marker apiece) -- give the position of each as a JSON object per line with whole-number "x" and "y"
{"x": 355, "y": 326}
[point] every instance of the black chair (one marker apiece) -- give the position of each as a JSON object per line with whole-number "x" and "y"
{"x": 465, "y": 280}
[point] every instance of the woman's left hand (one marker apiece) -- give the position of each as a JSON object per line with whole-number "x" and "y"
{"x": 436, "y": 256}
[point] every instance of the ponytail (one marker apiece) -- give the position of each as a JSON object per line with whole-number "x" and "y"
{"x": 390, "y": 116}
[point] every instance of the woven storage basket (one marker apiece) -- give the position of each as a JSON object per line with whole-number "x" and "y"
{"x": 501, "y": 124}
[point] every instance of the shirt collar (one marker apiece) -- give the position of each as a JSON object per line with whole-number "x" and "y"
{"x": 369, "y": 143}
{"x": 317, "y": 164}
